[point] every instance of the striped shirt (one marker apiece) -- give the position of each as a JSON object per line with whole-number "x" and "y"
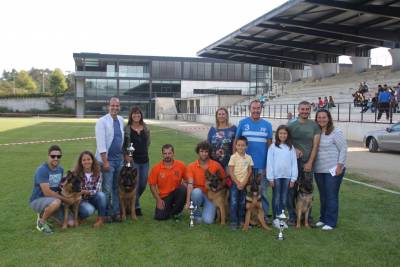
{"x": 332, "y": 150}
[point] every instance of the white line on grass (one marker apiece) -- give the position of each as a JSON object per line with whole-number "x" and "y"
{"x": 372, "y": 186}
{"x": 49, "y": 141}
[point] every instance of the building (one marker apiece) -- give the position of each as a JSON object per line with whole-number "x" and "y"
{"x": 139, "y": 80}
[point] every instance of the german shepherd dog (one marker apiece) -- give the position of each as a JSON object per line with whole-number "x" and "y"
{"x": 127, "y": 183}
{"x": 304, "y": 198}
{"x": 218, "y": 194}
{"x": 72, "y": 189}
{"x": 254, "y": 209}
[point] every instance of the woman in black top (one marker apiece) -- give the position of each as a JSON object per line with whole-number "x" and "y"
{"x": 137, "y": 133}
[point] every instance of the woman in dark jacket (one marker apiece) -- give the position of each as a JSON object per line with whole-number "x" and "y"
{"x": 137, "y": 133}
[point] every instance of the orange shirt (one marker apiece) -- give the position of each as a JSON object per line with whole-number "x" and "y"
{"x": 195, "y": 171}
{"x": 166, "y": 178}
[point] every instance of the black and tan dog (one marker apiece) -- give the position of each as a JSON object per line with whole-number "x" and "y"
{"x": 127, "y": 183}
{"x": 254, "y": 209}
{"x": 218, "y": 194}
{"x": 72, "y": 190}
{"x": 304, "y": 198}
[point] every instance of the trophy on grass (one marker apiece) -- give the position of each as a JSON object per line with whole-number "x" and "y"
{"x": 130, "y": 149}
{"x": 282, "y": 217}
{"x": 192, "y": 209}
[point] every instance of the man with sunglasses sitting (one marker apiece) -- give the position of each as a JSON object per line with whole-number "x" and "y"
{"x": 45, "y": 200}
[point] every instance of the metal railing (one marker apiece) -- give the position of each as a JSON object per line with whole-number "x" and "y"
{"x": 342, "y": 112}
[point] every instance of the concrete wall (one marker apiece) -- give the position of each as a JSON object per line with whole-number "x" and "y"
{"x": 165, "y": 108}
{"x": 28, "y": 103}
{"x": 25, "y": 104}
{"x": 352, "y": 131}
{"x": 188, "y": 86}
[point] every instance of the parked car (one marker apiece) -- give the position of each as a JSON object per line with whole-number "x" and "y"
{"x": 388, "y": 139}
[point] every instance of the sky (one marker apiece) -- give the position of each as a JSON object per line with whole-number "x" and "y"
{"x": 45, "y": 34}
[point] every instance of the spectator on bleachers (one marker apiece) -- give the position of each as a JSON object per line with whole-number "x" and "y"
{"x": 363, "y": 88}
{"x": 320, "y": 103}
{"x": 398, "y": 97}
{"x": 384, "y": 100}
{"x": 331, "y": 102}
{"x": 261, "y": 98}
{"x": 358, "y": 99}
{"x": 326, "y": 103}
{"x": 380, "y": 88}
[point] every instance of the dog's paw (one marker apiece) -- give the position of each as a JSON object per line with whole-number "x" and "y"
{"x": 64, "y": 227}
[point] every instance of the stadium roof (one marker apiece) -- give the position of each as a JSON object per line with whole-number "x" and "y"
{"x": 303, "y": 32}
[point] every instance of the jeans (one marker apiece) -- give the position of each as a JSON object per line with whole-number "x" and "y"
{"x": 143, "y": 171}
{"x": 279, "y": 195}
{"x": 209, "y": 210}
{"x": 110, "y": 187}
{"x": 264, "y": 186}
{"x": 174, "y": 204}
{"x": 89, "y": 205}
{"x": 328, "y": 187}
{"x": 237, "y": 205}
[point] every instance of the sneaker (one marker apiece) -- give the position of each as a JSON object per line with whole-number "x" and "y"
{"x": 275, "y": 223}
{"x": 291, "y": 223}
{"x": 234, "y": 226}
{"x": 327, "y": 228}
{"x": 43, "y": 227}
{"x": 319, "y": 224}
{"x": 177, "y": 217}
{"x": 138, "y": 212}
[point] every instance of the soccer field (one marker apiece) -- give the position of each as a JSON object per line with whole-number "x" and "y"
{"x": 367, "y": 234}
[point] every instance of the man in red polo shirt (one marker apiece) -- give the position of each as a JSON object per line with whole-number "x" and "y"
{"x": 165, "y": 182}
{"x": 196, "y": 179}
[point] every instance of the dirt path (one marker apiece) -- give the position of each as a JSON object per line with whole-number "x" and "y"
{"x": 382, "y": 168}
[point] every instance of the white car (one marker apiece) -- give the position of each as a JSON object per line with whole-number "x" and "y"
{"x": 388, "y": 139}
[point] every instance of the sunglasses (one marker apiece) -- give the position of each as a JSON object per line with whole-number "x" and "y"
{"x": 55, "y": 156}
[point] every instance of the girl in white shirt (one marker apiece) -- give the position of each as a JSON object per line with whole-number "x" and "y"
{"x": 281, "y": 170}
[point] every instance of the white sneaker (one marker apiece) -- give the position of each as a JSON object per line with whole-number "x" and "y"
{"x": 319, "y": 224}
{"x": 275, "y": 223}
{"x": 327, "y": 228}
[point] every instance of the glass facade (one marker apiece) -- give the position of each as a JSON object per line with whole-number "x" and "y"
{"x": 100, "y": 88}
{"x": 138, "y": 79}
{"x": 260, "y": 79}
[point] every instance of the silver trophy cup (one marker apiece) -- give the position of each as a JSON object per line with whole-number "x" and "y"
{"x": 130, "y": 149}
{"x": 282, "y": 217}
{"x": 192, "y": 209}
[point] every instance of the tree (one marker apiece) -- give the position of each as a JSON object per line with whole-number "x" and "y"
{"x": 57, "y": 85}
{"x": 25, "y": 81}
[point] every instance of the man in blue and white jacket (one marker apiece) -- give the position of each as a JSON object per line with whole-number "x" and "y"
{"x": 259, "y": 136}
{"x": 109, "y": 139}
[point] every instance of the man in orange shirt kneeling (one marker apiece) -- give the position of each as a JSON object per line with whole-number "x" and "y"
{"x": 196, "y": 179}
{"x": 165, "y": 182}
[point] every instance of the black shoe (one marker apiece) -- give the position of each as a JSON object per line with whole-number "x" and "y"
{"x": 291, "y": 222}
{"x": 138, "y": 212}
{"x": 116, "y": 218}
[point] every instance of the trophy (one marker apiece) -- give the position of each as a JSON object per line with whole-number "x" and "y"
{"x": 192, "y": 209}
{"x": 282, "y": 217}
{"x": 130, "y": 149}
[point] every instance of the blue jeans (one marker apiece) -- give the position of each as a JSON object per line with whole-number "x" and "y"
{"x": 237, "y": 205}
{"x": 328, "y": 187}
{"x": 143, "y": 171}
{"x": 264, "y": 186}
{"x": 209, "y": 210}
{"x": 279, "y": 195}
{"x": 110, "y": 187}
{"x": 89, "y": 205}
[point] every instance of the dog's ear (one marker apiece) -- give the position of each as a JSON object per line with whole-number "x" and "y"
{"x": 134, "y": 172}
{"x": 218, "y": 174}
{"x": 208, "y": 174}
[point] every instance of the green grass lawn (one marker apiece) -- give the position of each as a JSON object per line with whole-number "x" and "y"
{"x": 367, "y": 234}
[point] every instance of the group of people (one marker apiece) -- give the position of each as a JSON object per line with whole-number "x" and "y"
{"x": 385, "y": 100}
{"x": 324, "y": 103}
{"x": 234, "y": 153}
